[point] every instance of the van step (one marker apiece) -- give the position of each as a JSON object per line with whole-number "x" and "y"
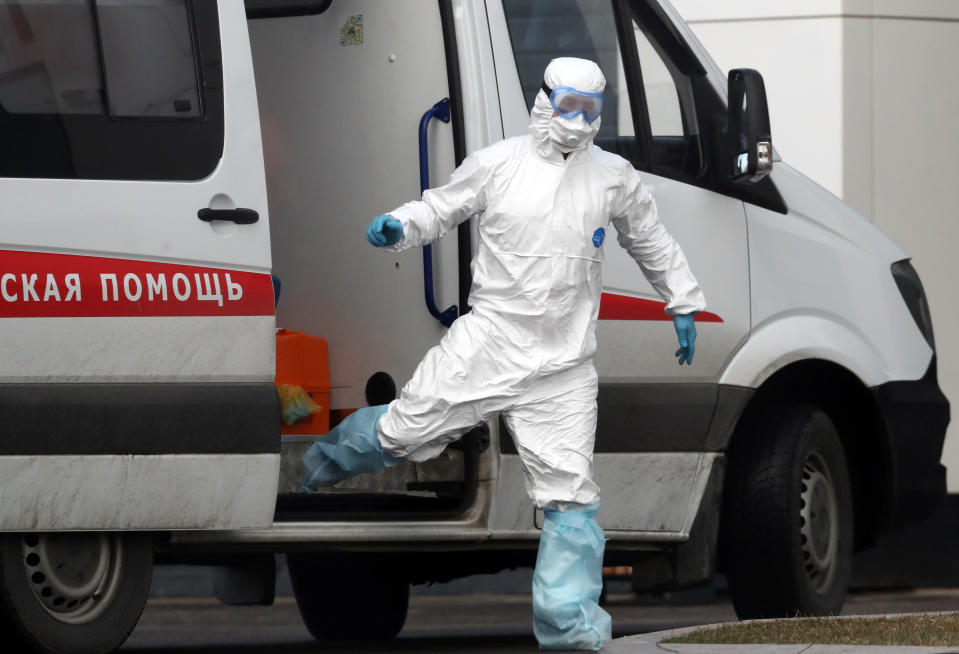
{"x": 428, "y": 479}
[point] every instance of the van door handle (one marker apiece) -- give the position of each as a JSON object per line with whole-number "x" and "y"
{"x": 238, "y": 216}
{"x": 440, "y": 110}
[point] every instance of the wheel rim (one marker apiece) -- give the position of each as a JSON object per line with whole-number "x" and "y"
{"x": 74, "y": 576}
{"x": 819, "y": 523}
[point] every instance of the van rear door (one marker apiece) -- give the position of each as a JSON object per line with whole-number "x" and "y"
{"x": 136, "y": 305}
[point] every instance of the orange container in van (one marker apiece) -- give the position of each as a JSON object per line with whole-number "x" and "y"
{"x": 302, "y": 360}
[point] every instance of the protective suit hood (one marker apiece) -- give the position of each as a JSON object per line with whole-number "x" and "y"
{"x": 554, "y": 134}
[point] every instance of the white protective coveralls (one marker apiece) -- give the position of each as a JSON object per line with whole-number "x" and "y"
{"x": 525, "y": 351}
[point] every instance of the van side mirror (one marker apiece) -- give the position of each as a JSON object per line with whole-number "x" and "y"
{"x": 750, "y": 139}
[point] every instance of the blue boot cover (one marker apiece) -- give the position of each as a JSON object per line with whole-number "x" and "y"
{"x": 568, "y": 581}
{"x": 349, "y": 449}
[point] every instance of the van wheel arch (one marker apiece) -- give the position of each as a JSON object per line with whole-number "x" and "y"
{"x": 856, "y": 416}
{"x": 788, "y": 536}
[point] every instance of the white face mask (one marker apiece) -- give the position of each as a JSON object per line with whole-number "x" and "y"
{"x": 571, "y": 134}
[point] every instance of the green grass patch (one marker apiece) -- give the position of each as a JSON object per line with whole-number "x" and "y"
{"x": 919, "y": 629}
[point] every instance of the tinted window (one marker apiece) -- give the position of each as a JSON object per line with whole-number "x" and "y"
{"x": 662, "y": 96}
{"x": 110, "y": 89}
{"x": 48, "y": 59}
{"x": 675, "y": 148}
{"x": 148, "y": 58}
{"x": 543, "y": 29}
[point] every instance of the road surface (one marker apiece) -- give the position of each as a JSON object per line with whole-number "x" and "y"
{"x": 443, "y": 624}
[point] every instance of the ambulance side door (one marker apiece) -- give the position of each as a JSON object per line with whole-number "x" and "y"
{"x": 136, "y": 304}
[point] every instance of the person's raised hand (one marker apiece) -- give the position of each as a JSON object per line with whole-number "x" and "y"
{"x": 384, "y": 230}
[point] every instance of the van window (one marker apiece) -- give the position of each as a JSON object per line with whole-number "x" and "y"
{"x": 106, "y": 89}
{"x": 662, "y": 105}
{"x": 543, "y": 29}
{"x": 662, "y": 97}
{"x": 148, "y": 59}
{"x": 667, "y": 89}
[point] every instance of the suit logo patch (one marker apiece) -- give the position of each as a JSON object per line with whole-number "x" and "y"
{"x": 598, "y": 236}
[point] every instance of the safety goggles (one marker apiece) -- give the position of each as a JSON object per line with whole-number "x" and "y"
{"x": 569, "y": 103}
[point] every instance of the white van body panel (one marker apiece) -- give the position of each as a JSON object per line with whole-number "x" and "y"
{"x": 827, "y": 337}
{"x": 140, "y": 224}
{"x": 231, "y": 349}
{"x": 652, "y": 496}
{"x": 822, "y": 288}
{"x": 143, "y": 492}
{"x": 711, "y": 229}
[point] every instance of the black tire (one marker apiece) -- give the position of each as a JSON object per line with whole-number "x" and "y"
{"x": 787, "y": 524}
{"x": 350, "y": 596}
{"x": 74, "y": 593}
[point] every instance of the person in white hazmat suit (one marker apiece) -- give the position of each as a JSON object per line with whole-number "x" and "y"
{"x": 525, "y": 351}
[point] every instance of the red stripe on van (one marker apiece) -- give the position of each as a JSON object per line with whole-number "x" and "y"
{"x": 44, "y": 285}
{"x": 622, "y": 307}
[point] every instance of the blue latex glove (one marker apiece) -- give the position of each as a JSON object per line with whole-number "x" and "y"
{"x": 686, "y": 331}
{"x": 384, "y": 230}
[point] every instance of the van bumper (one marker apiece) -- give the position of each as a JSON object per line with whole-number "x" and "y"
{"x": 915, "y": 415}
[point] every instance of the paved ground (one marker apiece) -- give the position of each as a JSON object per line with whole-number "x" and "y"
{"x": 443, "y": 624}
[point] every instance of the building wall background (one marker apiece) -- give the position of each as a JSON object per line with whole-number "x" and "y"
{"x": 863, "y": 98}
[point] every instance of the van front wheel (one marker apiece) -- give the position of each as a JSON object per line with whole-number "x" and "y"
{"x": 787, "y": 531}
{"x": 81, "y": 593}
{"x": 349, "y": 596}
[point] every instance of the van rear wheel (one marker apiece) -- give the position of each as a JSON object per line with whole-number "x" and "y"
{"x": 787, "y": 528}
{"x": 349, "y": 596}
{"x": 80, "y": 593}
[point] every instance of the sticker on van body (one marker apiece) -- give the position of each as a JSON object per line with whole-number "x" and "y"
{"x": 46, "y": 285}
{"x": 614, "y": 306}
{"x": 352, "y": 32}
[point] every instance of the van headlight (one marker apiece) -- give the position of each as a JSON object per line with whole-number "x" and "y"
{"x": 911, "y": 288}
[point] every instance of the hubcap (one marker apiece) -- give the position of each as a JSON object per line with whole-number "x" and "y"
{"x": 819, "y": 523}
{"x": 73, "y": 576}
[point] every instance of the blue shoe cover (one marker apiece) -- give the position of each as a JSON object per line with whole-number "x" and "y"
{"x": 567, "y": 582}
{"x": 349, "y": 449}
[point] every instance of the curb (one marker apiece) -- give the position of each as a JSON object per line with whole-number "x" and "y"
{"x": 651, "y": 643}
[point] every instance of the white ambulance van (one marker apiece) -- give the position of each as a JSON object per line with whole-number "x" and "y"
{"x": 161, "y": 159}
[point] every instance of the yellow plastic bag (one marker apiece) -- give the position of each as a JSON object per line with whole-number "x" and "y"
{"x": 296, "y": 404}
